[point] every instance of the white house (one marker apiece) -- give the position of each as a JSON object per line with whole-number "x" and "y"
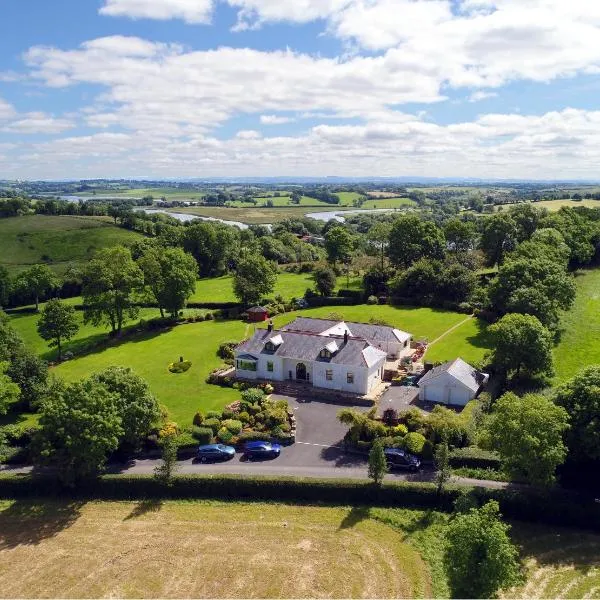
{"x": 335, "y": 355}
{"x": 455, "y": 382}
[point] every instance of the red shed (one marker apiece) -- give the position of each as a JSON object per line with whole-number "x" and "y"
{"x": 257, "y": 314}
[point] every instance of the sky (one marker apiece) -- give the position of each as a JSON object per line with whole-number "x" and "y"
{"x": 266, "y": 88}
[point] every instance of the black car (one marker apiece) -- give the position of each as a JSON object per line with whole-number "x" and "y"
{"x": 400, "y": 459}
{"x": 260, "y": 450}
{"x": 215, "y": 452}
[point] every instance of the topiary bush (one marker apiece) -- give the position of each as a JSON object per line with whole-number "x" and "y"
{"x": 225, "y": 435}
{"x": 233, "y": 425}
{"x": 180, "y": 366}
{"x": 214, "y": 424}
{"x": 227, "y": 414}
{"x": 203, "y": 435}
{"x": 244, "y": 417}
{"x": 253, "y": 436}
{"x": 414, "y": 442}
{"x": 198, "y": 419}
{"x": 372, "y": 300}
{"x": 213, "y": 414}
{"x": 253, "y": 396}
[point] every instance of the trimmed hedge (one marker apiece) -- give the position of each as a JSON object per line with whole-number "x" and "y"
{"x": 554, "y": 507}
{"x": 315, "y": 301}
{"x": 474, "y": 458}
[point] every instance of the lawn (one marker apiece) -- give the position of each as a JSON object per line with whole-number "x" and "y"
{"x": 470, "y": 341}
{"x": 56, "y": 240}
{"x": 289, "y": 285}
{"x": 388, "y": 203}
{"x": 580, "y": 339}
{"x": 199, "y": 549}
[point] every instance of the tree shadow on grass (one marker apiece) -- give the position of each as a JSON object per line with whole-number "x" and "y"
{"x": 482, "y": 339}
{"x": 150, "y": 505}
{"x": 30, "y": 522}
{"x": 355, "y": 516}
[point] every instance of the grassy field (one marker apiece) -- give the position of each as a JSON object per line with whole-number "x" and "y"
{"x": 289, "y": 285}
{"x": 469, "y": 341}
{"x": 388, "y": 203}
{"x": 580, "y": 339}
{"x": 204, "y": 550}
{"x": 285, "y": 201}
{"x": 554, "y": 205}
{"x": 56, "y": 240}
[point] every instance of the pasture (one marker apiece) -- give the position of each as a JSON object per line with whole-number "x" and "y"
{"x": 199, "y": 549}
{"x": 58, "y": 241}
{"x": 469, "y": 341}
{"x": 389, "y": 203}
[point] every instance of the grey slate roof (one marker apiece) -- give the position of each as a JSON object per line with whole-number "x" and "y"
{"x": 372, "y": 333}
{"x": 306, "y": 346}
{"x": 458, "y": 369}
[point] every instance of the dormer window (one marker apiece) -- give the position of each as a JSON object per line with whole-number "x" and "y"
{"x": 329, "y": 350}
{"x": 273, "y": 343}
{"x": 325, "y": 353}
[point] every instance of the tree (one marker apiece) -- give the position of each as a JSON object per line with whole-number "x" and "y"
{"x": 325, "y": 281}
{"x": 521, "y": 343}
{"x": 213, "y": 245}
{"x": 379, "y": 237}
{"x": 528, "y": 434}
{"x": 109, "y": 282}
{"x": 480, "y": 558}
{"x": 79, "y": 426}
{"x": 580, "y": 396}
{"x": 459, "y": 234}
{"x": 166, "y": 469}
{"x": 538, "y": 287}
{"x": 138, "y": 408}
{"x": 9, "y": 391}
{"x": 339, "y": 244}
{"x": 442, "y": 465}
{"x": 527, "y": 219}
{"x": 36, "y": 282}
{"x": 254, "y": 278}
{"x": 412, "y": 239}
{"x": 171, "y": 276}
{"x": 57, "y": 324}
{"x": 499, "y": 237}
{"x": 377, "y": 462}
{"x": 546, "y": 244}
{"x": 4, "y": 285}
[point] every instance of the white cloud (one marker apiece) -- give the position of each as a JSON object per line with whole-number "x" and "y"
{"x": 481, "y": 95}
{"x": 6, "y": 110}
{"x": 248, "y": 134}
{"x": 275, "y": 120}
{"x": 38, "y": 122}
{"x": 191, "y": 11}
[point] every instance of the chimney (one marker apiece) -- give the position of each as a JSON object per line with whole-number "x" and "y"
{"x": 346, "y": 336}
{"x": 270, "y": 327}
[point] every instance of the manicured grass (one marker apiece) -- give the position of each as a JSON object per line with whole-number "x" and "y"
{"x": 149, "y": 355}
{"x": 470, "y": 341}
{"x": 56, "y": 240}
{"x": 204, "y": 550}
{"x": 580, "y": 337}
{"x": 389, "y": 203}
{"x": 289, "y": 285}
{"x": 559, "y": 562}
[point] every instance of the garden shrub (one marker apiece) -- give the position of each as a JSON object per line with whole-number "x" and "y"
{"x": 225, "y": 435}
{"x": 168, "y": 429}
{"x": 180, "y": 366}
{"x": 253, "y": 396}
{"x": 244, "y": 417}
{"x": 253, "y": 436}
{"x": 198, "y": 419}
{"x": 213, "y": 414}
{"x": 214, "y": 424}
{"x": 399, "y": 430}
{"x": 233, "y": 425}
{"x": 414, "y": 442}
{"x": 372, "y": 300}
{"x": 226, "y": 350}
{"x": 203, "y": 435}
{"x": 227, "y": 414}
{"x": 474, "y": 458}
{"x": 414, "y": 419}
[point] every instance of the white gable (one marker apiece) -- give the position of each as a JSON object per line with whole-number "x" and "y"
{"x": 332, "y": 347}
{"x": 338, "y": 329}
{"x": 402, "y": 336}
{"x": 372, "y": 355}
{"x": 276, "y": 340}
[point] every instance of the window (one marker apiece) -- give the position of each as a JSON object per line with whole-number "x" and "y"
{"x": 269, "y": 347}
{"x": 325, "y": 353}
{"x": 329, "y": 375}
{"x": 247, "y": 365}
{"x": 350, "y": 377}
{"x": 270, "y": 366}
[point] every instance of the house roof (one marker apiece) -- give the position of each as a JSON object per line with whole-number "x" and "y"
{"x": 459, "y": 370}
{"x": 257, "y": 309}
{"x": 375, "y": 334}
{"x": 306, "y": 346}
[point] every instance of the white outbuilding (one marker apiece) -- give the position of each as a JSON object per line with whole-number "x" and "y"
{"x": 455, "y": 382}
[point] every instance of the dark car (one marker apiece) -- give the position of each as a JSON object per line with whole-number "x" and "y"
{"x": 259, "y": 450}
{"x": 399, "y": 459}
{"x": 215, "y": 452}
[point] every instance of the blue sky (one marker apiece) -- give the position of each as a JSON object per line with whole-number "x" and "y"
{"x": 201, "y": 88}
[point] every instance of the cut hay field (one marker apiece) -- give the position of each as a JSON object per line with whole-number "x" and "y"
{"x": 554, "y": 205}
{"x": 203, "y": 550}
{"x": 56, "y": 240}
{"x": 580, "y": 338}
{"x": 388, "y": 203}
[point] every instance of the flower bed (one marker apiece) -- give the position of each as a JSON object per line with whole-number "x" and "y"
{"x": 180, "y": 367}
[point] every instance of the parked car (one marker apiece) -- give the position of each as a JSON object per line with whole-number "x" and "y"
{"x": 215, "y": 452}
{"x": 400, "y": 459}
{"x": 260, "y": 450}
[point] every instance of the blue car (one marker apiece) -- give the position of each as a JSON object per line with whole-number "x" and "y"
{"x": 260, "y": 450}
{"x": 400, "y": 459}
{"x": 215, "y": 452}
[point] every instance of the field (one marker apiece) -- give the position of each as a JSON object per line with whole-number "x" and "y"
{"x": 388, "y": 203}
{"x": 580, "y": 339}
{"x": 56, "y": 240}
{"x": 289, "y": 285}
{"x": 468, "y": 341}
{"x": 554, "y": 205}
{"x": 203, "y": 550}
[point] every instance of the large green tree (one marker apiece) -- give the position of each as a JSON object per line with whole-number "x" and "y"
{"x": 9, "y": 391}
{"x": 579, "y": 233}
{"x": 57, "y": 324}
{"x": 378, "y": 237}
{"x": 213, "y": 245}
{"x": 36, "y": 282}
{"x": 325, "y": 281}
{"x": 546, "y": 244}
{"x": 480, "y": 558}
{"x": 499, "y": 236}
{"x": 528, "y": 434}
{"x": 136, "y": 405}
{"x": 254, "y": 278}
{"x": 580, "y": 396}
{"x": 460, "y": 235}
{"x": 109, "y": 283}
{"x": 411, "y": 239}
{"x": 521, "y": 344}
{"x": 339, "y": 244}
{"x": 79, "y": 426}
{"x": 170, "y": 274}
{"x": 377, "y": 462}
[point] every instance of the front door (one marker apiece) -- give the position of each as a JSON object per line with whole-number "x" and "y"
{"x": 301, "y": 371}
